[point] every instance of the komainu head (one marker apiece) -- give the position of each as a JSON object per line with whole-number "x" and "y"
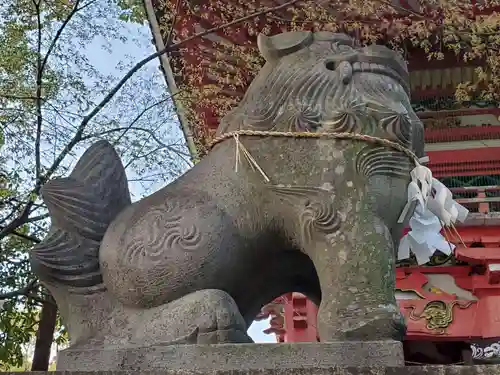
{"x": 322, "y": 82}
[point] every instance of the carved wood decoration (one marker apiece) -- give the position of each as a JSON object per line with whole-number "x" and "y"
{"x": 437, "y": 314}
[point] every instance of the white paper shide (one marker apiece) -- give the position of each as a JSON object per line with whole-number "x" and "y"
{"x": 434, "y": 206}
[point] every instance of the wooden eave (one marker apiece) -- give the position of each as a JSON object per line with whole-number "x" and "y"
{"x": 439, "y": 77}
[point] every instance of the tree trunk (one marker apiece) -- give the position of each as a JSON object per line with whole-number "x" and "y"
{"x": 45, "y": 336}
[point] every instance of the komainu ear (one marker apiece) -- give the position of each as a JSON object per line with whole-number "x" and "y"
{"x": 277, "y": 46}
{"x": 334, "y": 38}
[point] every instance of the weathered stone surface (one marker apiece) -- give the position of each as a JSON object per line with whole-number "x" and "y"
{"x": 236, "y": 356}
{"x": 194, "y": 262}
{"x": 416, "y": 370}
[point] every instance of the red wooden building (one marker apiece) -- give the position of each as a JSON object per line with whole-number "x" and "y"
{"x": 452, "y": 304}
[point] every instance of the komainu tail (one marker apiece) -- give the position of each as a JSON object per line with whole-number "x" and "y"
{"x": 81, "y": 208}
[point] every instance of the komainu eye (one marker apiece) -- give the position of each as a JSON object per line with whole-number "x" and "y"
{"x": 331, "y": 65}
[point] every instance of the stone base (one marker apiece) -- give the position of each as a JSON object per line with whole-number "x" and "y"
{"x": 417, "y": 370}
{"x": 227, "y": 357}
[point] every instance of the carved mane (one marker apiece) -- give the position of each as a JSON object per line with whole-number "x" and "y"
{"x": 322, "y": 82}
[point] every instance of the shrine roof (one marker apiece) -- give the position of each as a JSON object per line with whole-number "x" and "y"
{"x": 208, "y": 75}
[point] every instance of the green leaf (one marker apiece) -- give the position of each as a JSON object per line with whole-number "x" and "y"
{"x": 79, "y": 72}
{"x": 2, "y": 137}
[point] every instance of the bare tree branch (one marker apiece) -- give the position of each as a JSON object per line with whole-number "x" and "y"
{"x": 59, "y": 33}
{"x": 29, "y": 291}
{"x": 38, "y": 102}
{"x": 400, "y": 9}
{"x": 37, "y": 218}
{"x": 41, "y": 64}
{"x": 142, "y": 113}
{"x": 153, "y": 56}
{"x": 228, "y": 24}
{"x": 174, "y": 21}
{"x": 83, "y": 124}
{"x": 33, "y": 284}
{"x": 150, "y": 177}
{"x": 142, "y": 156}
{"x": 136, "y": 128}
{"x": 18, "y": 97}
{"x": 79, "y": 133}
{"x": 19, "y": 220}
{"x": 24, "y": 236}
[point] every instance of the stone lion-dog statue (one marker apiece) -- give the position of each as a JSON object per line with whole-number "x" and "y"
{"x": 195, "y": 262}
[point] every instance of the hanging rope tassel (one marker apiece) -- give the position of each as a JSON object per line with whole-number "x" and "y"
{"x": 436, "y": 210}
{"x": 253, "y": 163}
{"x": 237, "y": 152}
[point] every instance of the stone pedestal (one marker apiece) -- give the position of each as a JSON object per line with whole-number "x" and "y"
{"x": 229, "y": 357}
{"x": 427, "y": 370}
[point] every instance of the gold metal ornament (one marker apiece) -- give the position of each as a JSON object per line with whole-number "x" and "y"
{"x": 438, "y": 314}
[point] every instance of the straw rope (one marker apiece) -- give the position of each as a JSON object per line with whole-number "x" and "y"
{"x": 344, "y": 135}
{"x": 353, "y": 136}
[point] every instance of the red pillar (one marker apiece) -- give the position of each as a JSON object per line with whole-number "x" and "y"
{"x": 300, "y": 318}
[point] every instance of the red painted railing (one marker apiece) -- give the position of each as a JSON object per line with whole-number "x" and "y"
{"x": 479, "y": 199}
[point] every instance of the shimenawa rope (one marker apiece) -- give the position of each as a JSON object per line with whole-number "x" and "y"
{"x": 353, "y": 136}
{"x": 344, "y": 135}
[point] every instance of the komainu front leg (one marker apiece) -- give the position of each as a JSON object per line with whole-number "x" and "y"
{"x": 352, "y": 252}
{"x": 355, "y": 267}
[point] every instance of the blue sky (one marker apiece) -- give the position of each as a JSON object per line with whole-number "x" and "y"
{"x": 255, "y": 332}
